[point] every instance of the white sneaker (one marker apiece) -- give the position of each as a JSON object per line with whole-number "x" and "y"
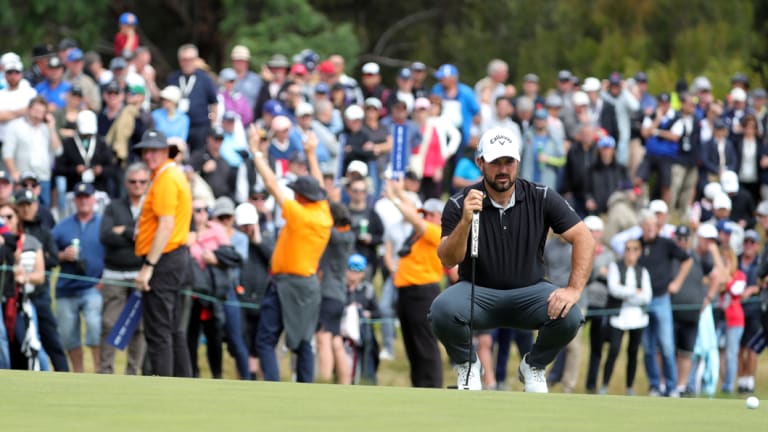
{"x": 386, "y": 355}
{"x": 533, "y": 379}
{"x": 474, "y": 372}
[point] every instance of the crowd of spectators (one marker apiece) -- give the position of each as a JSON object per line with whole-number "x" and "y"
{"x": 629, "y": 162}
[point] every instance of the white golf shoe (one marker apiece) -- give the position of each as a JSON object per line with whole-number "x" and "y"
{"x": 533, "y": 379}
{"x": 474, "y": 372}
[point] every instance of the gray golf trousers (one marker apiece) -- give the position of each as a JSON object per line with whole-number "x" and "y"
{"x": 519, "y": 308}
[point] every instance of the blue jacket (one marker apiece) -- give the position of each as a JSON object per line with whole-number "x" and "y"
{"x": 469, "y": 107}
{"x": 91, "y": 252}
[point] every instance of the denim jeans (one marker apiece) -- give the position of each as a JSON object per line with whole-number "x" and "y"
{"x": 61, "y": 193}
{"x": 387, "y": 307}
{"x": 660, "y": 335}
{"x": 729, "y": 340}
{"x": 5, "y": 354}
{"x": 233, "y": 329}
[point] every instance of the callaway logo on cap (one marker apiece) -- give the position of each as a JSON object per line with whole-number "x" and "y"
{"x": 499, "y": 142}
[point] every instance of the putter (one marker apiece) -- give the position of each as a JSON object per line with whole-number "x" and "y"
{"x": 473, "y": 254}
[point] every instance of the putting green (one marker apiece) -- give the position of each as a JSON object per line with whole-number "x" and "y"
{"x": 88, "y": 402}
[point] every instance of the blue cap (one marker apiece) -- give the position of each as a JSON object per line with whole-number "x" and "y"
{"x": 606, "y": 141}
{"x": 322, "y": 87}
{"x": 83, "y": 188}
{"x": 724, "y": 225}
{"x": 614, "y": 78}
{"x": 446, "y": 70}
{"x": 540, "y": 114}
{"x": 75, "y": 54}
{"x": 128, "y": 18}
{"x": 404, "y": 73}
{"x": 272, "y": 107}
{"x": 118, "y": 63}
{"x": 357, "y": 262}
{"x": 228, "y": 74}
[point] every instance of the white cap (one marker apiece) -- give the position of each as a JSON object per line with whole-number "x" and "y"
{"x": 712, "y": 189}
{"x": 280, "y": 123}
{"x": 499, "y": 142}
{"x": 707, "y": 231}
{"x": 246, "y": 214}
{"x": 371, "y": 68}
{"x": 738, "y": 95}
{"x": 422, "y": 103}
{"x": 591, "y": 84}
{"x": 721, "y": 201}
{"x": 762, "y": 208}
{"x": 359, "y": 167}
{"x": 580, "y": 98}
{"x": 87, "y": 123}
{"x": 373, "y": 102}
{"x": 730, "y": 182}
{"x": 702, "y": 83}
{"x": 11, "y": 62}
{"x": 594, "y": 223}
{"x": 354, "y": 112}
{"x": 171, "y": 93}
{"x": 658, "y": 206}
{"x": 304, "y": 108}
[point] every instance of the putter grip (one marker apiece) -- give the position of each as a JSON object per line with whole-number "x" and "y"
{"x": 475, "y": 233}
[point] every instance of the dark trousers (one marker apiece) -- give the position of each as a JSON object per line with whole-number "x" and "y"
{"x": 520, "y": 308}
{"x": 598, "y": 336}
{"x": 49, "y": 331}
{"x": 503, "y": 337}
{"x": 211, "y": 327}
{"x": 270, "y": 327}
{"x": 233, "y": 329}
{"x": 420, "y": 342}
{"x": 197, "y": 137}
{"x": 615, "y": 335}
{"x": 166, "y": 337}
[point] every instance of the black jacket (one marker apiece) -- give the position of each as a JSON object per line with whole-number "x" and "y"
{"x": 608, "y": 120}
{"x": 66, "y": 164}
{"x": 254, "y": 275}
{"x": 602, "y": 181}
{"x": 119, "y": 248}
{"x": 38, "y": 229}
{"x": 577, "y": 168}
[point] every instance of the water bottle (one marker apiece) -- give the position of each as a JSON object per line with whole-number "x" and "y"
{"x": 363, "y": 226}
{"x": 76, "y": 247}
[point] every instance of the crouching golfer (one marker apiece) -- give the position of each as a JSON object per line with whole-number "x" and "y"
{"x": 510, "y": 290}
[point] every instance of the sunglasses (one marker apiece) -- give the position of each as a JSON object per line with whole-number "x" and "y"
{"x": 133, "y": 182}
{"x": 224, "y": 217}
{"x": 30, "y": 185}
{"x": 200, "y": 209}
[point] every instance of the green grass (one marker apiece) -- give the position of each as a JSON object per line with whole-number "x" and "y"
{"x": 44, "y": 402}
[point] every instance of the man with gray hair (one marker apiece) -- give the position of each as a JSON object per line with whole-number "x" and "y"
{"x": 121, "y": 265}
{"x": 658, "y": 255}
{"x": 495, "y": 81}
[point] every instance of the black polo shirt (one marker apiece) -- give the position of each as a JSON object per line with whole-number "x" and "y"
{"x": 511, "y": 241}
{"x": 658, "y": 257}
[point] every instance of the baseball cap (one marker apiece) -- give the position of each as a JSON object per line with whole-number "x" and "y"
{"x": 762, "y": 208}
{"x": 82, "y": 189}
{"x": 87, "y": 124}
{"x": 298, "y": 69}
{"x": 281, "y": 123}
{"x": 531, "y": 77}
{"x": 641, "y": 77}
{"x": 701, "y": 83}
{"x": 721, "y": 201}
{"x": 614, "y": 78}
{"x": 127, "y": 18}
{"x": 371, "y": 68}
{"x": 246, "y": 214}
{"x": 760, "y": 93}
{"x": 54, "y": 63}
{"x": 683, "y": 231}
{"x": 136, "y": 89}
{"x": 658, "y": 206}
{"x": 76, "y": 54}
{"x": 216, "y": 132}
{"x": 29, "y": 175}
{"x": 412, "y": 175}
{"x": 432, "y": 205}
{"x": 594, "y": 223}
{"x": 540, "y": 114}
{"x": 12, "y": 62}
{"x": 359, "y": 167}
{"x": 712, "y": 189}
{"x": 606, "y": 141}
{"x": 304, "y": 109}
{"x": 591, "y": 84}
{"x": 580, "y": 98}
{"x": 76, "y": 90}
{"x": 24, "y": 196}
{"x": 354, "y": 112}
{"x": 730, "y": 182}
{"x": 5, "y": 175}
{"x": 752, "y": 235}
{"x": 326, "y": 67}
{"x": 738, "y": 95}
{"x": 663, "y": 98}
{"x": 272, "y": 107}
{"x": 404, "y": 73}
{"x": 117, "y": 63}
{"x": 724, "y": 225}
{"x": 554, "y": 101}
{"x": 171, "y": 93}
{"x": 240, "y": 52}
{"x": 230, "y": 115}
{"x": 740, "y": 78}
{"x": 373, "y": 102}
{"x": 707, "y": 231}
{"x": 278, "y": 61}
{"x": 421, "y": 103}
{"x": 446, "y": 70}
{"x": 499, "y": 142}
{"x": 227, "y": 74}
{"x": 357, "y": 262}
{"x": 564, "y": 75}
{"x": 719, "y": 124}
{"x": 223, "y": 206}
{"x": 418, "y": 66}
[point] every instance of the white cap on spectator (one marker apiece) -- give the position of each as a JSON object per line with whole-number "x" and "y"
{"x": 658, "y": 206}
{"x": 422, "y": 103}
{"x": 171, "y": 93}
{"x": 762, "y": 208}
{"x": 591, "y": 84}
{"x": 738, "y": 95}
{"x": 730, "y": 182}
{"x": 354, "y": 112}
{"x": 371, "y": 68}
{"x": 594, "y": 223}
{"x": 372, "y": 102}
{"x": 240, "y": 52}
{"x": 721, "y": 201}
{"x": 87, "y": 123}
{"x": 580, "y": 98}
{"x": 707, "y": 231}
{"x": 304, "y": 108}
{"x": 712, "y": 189}
{"x": 246, "y": 214}
{"x": 701, "y": 83}
{"x": 281, "y": 123}
{"x": 359, "y": 167}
